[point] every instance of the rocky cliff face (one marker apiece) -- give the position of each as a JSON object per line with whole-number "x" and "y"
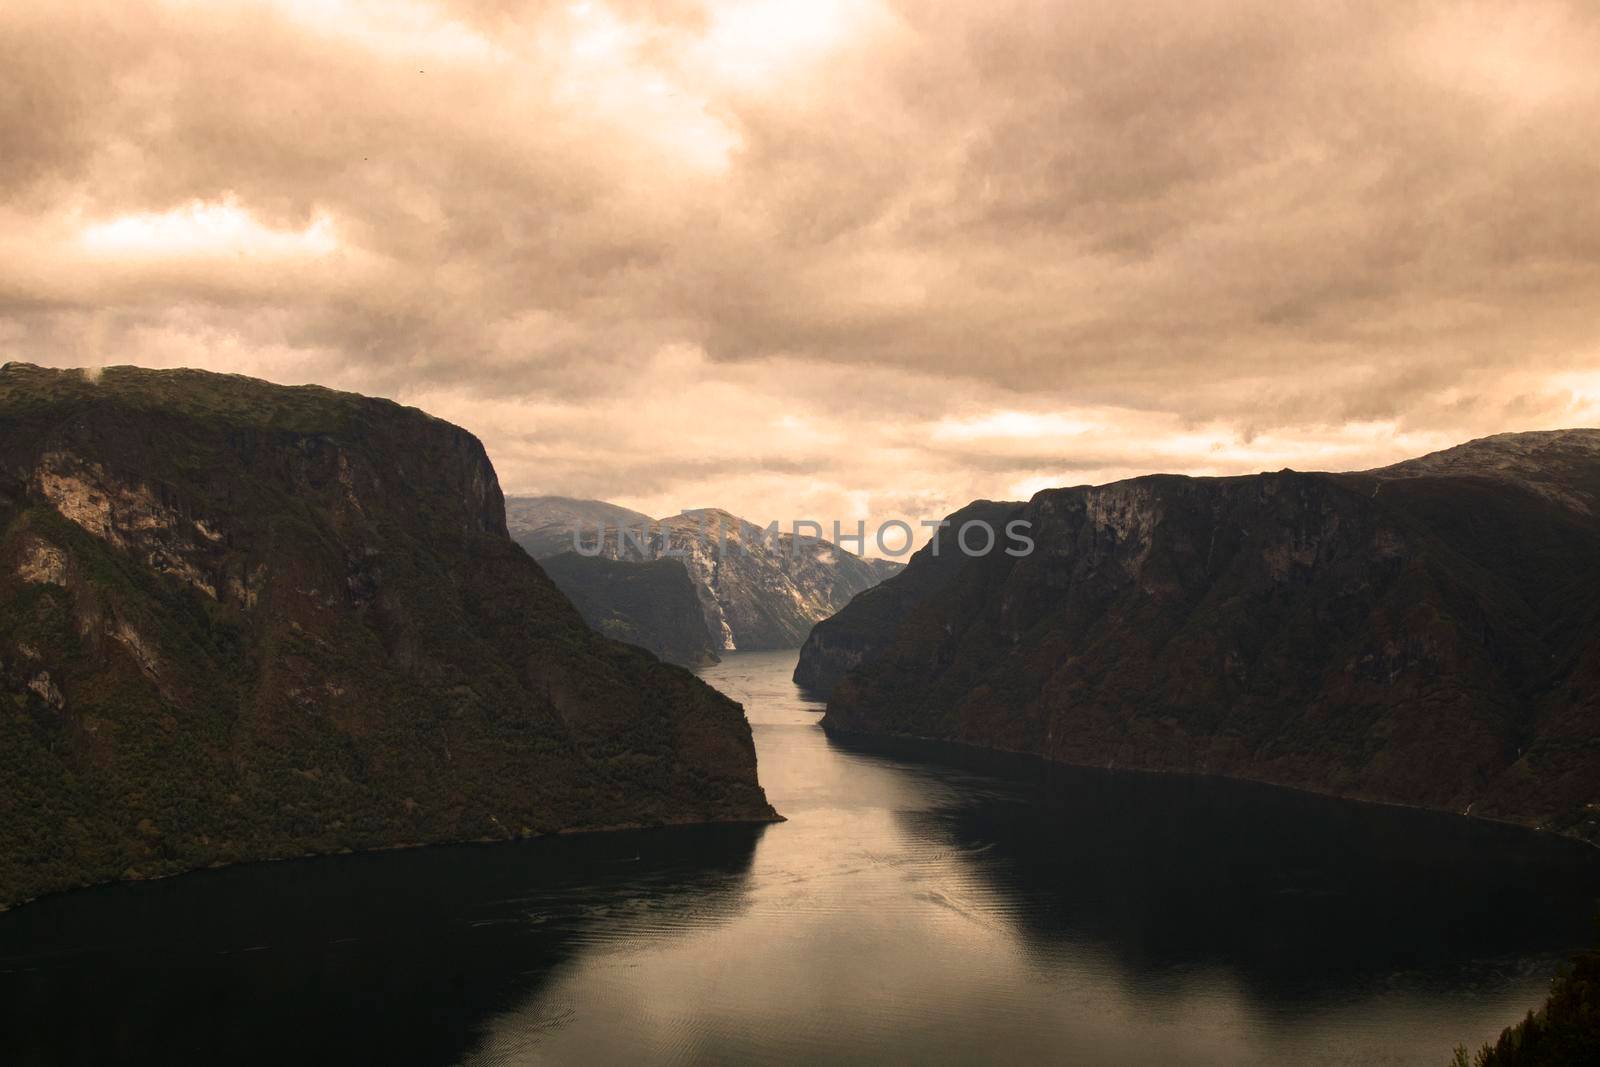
{"x": 241, "y": 621}
{"x": 653, "y": 605}
{"x": 755, "y": 592}
{"x": 1425, "y": 634}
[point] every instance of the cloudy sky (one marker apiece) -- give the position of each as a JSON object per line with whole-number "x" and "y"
{"x": 825, "y": 258}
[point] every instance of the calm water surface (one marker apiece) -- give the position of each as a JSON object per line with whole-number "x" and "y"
{"x": 909, "y": 911}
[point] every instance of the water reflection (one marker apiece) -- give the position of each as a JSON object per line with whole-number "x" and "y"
{"x": 1300, "y": 897}
{"x": 929, "y": 910}
{"x": 380, "y": 958}
{"x": 969, "y": 912}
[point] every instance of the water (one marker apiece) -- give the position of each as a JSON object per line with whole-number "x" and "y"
{"x": 908, "y": 912}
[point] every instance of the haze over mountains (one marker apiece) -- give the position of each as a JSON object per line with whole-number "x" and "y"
{"x": 242, "y": 621}
{"x": 544, "y": 525}
{"x": 1427, "y": 633}
{"x": 753, "y": 592}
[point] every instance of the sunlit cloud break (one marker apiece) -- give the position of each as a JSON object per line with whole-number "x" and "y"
{"x": 203, "y": 229}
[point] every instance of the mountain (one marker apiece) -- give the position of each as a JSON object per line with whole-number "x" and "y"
{"x": 656, "y": 606}
{"x": 1425, "y": 634}
{"x": 840, "y": 642}
{"x": 544, "y": 524}
{"x": 652, "y": 604}
{"x": 242, "y": 621}
{"x": 755, "y": 592}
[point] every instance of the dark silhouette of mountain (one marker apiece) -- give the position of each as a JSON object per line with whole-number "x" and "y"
{"x": 1426, "y": 634}
{"x": 841, "y": 641}
{"x": 241, "y": 621}
{"x": 651, "y": 604}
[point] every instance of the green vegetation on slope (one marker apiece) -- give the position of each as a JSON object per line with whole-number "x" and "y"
{"x": 242, "y": 621}
{"x": 1563, "y": 1033}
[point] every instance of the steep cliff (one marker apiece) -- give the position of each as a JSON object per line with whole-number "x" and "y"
{"x": 653, "y": 605}
{"x": 759, "y": 592}
{"x": 241, "y": 621}
{"x": 840, "y": 642}
{"x": 1425, "y": 634}
{"x": 755, "y": 592}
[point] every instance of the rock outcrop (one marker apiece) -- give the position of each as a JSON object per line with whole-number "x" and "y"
{"x": 241, "y": 621}
{"x": 1425, "y": 634}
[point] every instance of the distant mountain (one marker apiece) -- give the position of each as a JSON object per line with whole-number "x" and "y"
{"x": 754, "y": 593}
{"x": 1427, "y": 633}
{"x": 653, "y": 605}
{"x": 544, "y": 524}
{"x": 241, "y": 621}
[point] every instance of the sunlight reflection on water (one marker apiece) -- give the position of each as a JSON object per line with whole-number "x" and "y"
{"x": 908, "y": 912}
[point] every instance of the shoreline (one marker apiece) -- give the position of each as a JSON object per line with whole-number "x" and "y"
{"x": 962, "y": 753}
{"x": 402, "y": 846}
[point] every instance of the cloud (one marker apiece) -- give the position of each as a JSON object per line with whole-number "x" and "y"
{"x": 827, "y": 258}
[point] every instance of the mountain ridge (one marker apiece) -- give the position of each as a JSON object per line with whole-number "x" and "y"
{"x": 242, "y": 621}
{"x": 755, "y": 592}
{"x": 544, "y": 525}
{"x": 1424, "y": 634}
